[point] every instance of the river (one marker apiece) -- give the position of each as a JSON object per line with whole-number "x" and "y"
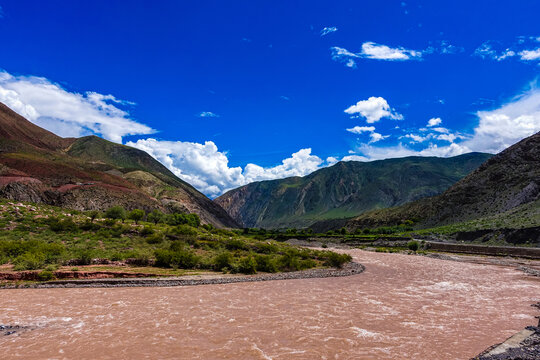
{"x": 401, "y": 307}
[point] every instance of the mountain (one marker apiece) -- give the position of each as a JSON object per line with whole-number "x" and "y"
{"x": 345, "y": 189}
{"x": 505, "y": 189}
{"x": 91, "y": 173}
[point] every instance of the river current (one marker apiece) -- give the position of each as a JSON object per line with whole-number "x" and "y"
{"x": 401, "y": 307}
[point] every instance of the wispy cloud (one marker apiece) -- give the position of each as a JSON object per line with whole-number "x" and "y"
{"x": 374, "y": 51}
{"x": 328, "y": 30}
{"x": 361, "y": 129}
{"x": 523, "y": 48}
{"x": 207, "y": 114}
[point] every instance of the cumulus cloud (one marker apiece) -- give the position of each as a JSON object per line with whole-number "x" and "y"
{"x": 434, "y": 122}
{"x": 328, "y": 30}
{"x": 373, "y": 109}
{"x": 530, "y": 54}
{"x": 497, "y": 129}
{"x": 374, "y": 137}
{"x": 66, "y": 113}
{"x": 208, "y": 114}
{"x": 361, "y": 129}
{"x": 207, "y": 168}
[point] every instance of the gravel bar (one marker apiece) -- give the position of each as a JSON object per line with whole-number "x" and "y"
{"x": 349, "y": 269}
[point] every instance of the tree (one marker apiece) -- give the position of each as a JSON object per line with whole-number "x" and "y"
{"x": 116, "y": 213}
{"x": 155, "y": 216}
{"x": 93, "y": 215}
{"x": 136, "y": 215}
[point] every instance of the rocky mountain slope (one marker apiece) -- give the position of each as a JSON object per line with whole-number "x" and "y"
{"x": 344, "y": 190}
{"x": 506, "y": 185}
{"x": 91, "y": 173}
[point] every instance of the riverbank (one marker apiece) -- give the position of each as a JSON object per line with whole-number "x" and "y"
{"x": 349, "y": 269}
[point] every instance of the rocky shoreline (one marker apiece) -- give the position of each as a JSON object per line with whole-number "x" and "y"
{"x": 349, "y": 269}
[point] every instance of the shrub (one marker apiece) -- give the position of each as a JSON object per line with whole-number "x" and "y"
{"x": 223, "y": 260}
{"x": 116, "y": 213}
{"x": 147, "y": 230}
{"x": 181, "y": 219}
{"x": 177, "y": 257}
{"x": 413, "y": 245}
{"x": 57, "y": 225}
{"x": 289, "y": 262}
{"x": 45, "y": 275}
{"x": 156, "y": 238}
{"x": 29, "y": 261}
{"x": 136, "y": 215}
{"x": 185, "y": 230}
{"x": 336, "y": 260}
{"x": 248, "y": 265}
{"x": 266, "y": 263}
{"x": 84, "y": 257}
{"x": 93, "y": 215}
{"x": 155, "y": 216}
{"x": 236, "y": 244}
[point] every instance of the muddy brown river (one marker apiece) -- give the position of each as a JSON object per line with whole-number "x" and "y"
{"x": 401, "y": 307}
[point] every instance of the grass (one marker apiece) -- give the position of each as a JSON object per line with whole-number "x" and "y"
{"x": 34, "y": 237}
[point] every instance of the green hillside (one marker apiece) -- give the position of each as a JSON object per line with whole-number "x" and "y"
{"x": 345, "y": 190}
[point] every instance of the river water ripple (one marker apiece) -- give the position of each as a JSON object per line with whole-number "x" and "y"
{"x": 401, "y": 307}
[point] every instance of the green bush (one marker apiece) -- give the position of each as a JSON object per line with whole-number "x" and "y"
{"x": 248, "y": 265}
{"x": 266, "y": 263}
{"x": 84, "y": 257}
{"x": 155, "y": 216}
{"x": 413, "y": 245}
{"x": 236, "y": 244}
{"x": 147, "y": 230}
{"x": 45, "y": 275}
{"x": 29, "y": 261}
{"x": 336, "y": 260}
{"x": 223, "y": 260}
{"x": 116, "y": 213}
{"x": 185, "y": 230}
{"x": 176, "y": 257}
{"x": 156, "y": 238}
{"x": 136, "y": 215}
{"x": 181, "y": 219}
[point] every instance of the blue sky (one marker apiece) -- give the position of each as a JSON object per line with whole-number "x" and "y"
{"x": 225, "y": 93}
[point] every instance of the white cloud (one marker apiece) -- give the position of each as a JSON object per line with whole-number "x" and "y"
{"x": 354, "y": 158}
{"x": 331, "y": 160}
{"x": 207, "y": 168}
{"x": 361, "y": 129}
{"x": 208, "y": 114}
{"x": 417, "y": 138}
{"x": 374, "y": 137}
{"x": 530, "y": 54}
{"x": 434, "y": 122}
{"x": 372, "y": 50}
{"x": 65, "y": 113}
{"x": 440, "y": 130}
{"x": 328, "y": 30}
{"x": 496, "y": 130}
{"x": 493, "y": 50}
{"x": 373, "y": 109}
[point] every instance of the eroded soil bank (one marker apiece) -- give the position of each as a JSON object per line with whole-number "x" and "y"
{"x": 400, "y": 307}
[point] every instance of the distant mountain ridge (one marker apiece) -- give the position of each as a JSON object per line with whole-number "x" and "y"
{"x": 507, "y": 185}
{"x": 91, "y": 173}
{"x": 344, "y": 190}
